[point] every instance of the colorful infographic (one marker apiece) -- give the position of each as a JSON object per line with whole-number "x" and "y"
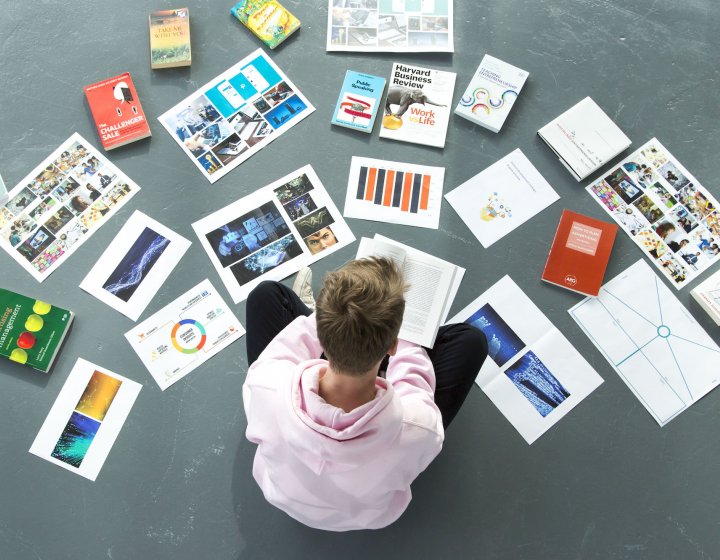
{"x": 185, "y": 334}
{"x": 86, "y": 418}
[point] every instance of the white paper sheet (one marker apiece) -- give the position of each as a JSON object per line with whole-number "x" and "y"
{"x": 665, "y": 210}
{"x": 135, "y": 265}
{"x": 390, "y": 25}
{"x": 273, "y": 232}
{"x": 658, "y": 349}
{"x": 502, "y": 197}
{"x": 236, "y": 114}
{"x": 85, "y": 420}
{"x": 394, "y": 192}
{"x": 60, "y": 204}
{"x": 532, "y": 373}
{"x": 185, "y": 334}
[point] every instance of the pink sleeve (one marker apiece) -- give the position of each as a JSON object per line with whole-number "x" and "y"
{"x": 410, "y": 370}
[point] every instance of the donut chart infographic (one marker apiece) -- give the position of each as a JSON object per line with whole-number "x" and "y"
{"x": 188, "y": 336}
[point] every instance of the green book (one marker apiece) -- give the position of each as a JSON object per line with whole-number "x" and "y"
{"x": 31, "y": 331}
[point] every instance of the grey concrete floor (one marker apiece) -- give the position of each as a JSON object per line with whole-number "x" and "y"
{"x": 605, "y": 483}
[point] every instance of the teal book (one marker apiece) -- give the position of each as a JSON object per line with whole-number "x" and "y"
{"x": 31, "y": 331}
{"x": 269, "y": 20}
{"x": 359, "y": 101}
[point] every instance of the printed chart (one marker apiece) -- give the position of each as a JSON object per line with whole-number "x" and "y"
{"x": 185, "y": 334}
{"x": 651, "y": 341}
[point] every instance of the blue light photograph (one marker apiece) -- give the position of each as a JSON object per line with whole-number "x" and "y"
{"x": 503, "y": 342}
{"x": 75, "y": 439}
{"x": 535, "y": 381}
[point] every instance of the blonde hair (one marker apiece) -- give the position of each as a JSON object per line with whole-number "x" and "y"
{"x": 359, "y": 312}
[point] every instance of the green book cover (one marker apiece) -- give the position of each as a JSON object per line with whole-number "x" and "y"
{"x": 31, "y": 331}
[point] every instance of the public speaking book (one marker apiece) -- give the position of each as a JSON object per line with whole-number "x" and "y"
{"x": 359, "y": 100}
{"x": 584, "y": 138}
{"x": 491, "y": 93}
{"x": 707, "y": 294}
{"x": 117, "y": 111}
{"x": 579, "y": 254}
{"x": 31, "y": 331}
{"x": 417, "y": 105}
{"x": 170, "y": 38}
{"x": 433, "y": 285}
{"x": 269, "y": 20}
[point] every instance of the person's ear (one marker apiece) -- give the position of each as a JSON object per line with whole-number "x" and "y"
{"x": 393, "y": 349}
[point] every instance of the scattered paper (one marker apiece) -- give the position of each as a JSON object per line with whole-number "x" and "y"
{"x": 60, "y": 204}
{"x": 235, "y": 115}
{"x": 658, "y": 349}
{"x": 532, "y": 373}
{"x": 86, "y": 418}
{"x": 390, "y": 25}
{"x": 393, "y": 192}
{"x": 273, "y": 232}
{"x": 665, "y": 210}
{"x": 185, "y": 334}
{"x": 135, "y": 265}
{"x": 502, "y": 197}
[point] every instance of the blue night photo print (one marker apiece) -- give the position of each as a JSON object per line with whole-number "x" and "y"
{"x": 75, "y": 439}
{"x": 503, "y": 343}
{"x": 535, "y": 381}
{"x": 136, "y": 264}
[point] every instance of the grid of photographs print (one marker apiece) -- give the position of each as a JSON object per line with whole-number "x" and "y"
{"x": 665, "y": 210}
{"x": 73, "y": 444}
{"x": 390, "y": 23}
{"x": 410, "y": 192}
{"x": 57, "y": 208}
{"x": 221, "y": 124}
{"x": 312, "y": 223}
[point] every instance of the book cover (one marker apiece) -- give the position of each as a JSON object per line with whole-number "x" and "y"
{"x": 417, "y": 105}
{"x": 359, "y": 100}
{"x": 491, "y": 93}
{"x": 117, "y": 111}
{"x": 584, "y": 138}
{"x": 579, "y": 253}
{"x": 707, "y": 294}
{"x": 31, "y": 331}
{"x": 269, "y": 20}
{"x": 170, "y": 38}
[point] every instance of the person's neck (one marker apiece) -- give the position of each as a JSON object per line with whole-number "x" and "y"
{"x": 347, "y": 391}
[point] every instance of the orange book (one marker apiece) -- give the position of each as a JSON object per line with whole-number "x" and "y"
{"x": 117, "y": 111}
{"x": 580, "y": 253}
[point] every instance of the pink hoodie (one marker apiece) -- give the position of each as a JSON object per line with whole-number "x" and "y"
{"x": 331, "y": 469}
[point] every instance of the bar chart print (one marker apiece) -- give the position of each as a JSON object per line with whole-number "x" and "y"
{"x": 394, "y": 192}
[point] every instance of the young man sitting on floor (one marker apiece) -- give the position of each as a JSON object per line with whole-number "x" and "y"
{"x": 344, "y": 413}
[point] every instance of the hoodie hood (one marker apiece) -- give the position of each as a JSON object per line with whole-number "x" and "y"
{"x": 337, "y": 441}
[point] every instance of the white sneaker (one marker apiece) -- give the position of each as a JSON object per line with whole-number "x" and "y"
{"x": 303, "y": 287}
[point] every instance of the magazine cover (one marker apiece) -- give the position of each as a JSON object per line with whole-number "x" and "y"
{"x": 235, "y": 115}
{"x": 390, "y": 25}
{"x": 31, "y": 331}
{"x": 61, "y": 203}
{"x": 117, "y": 112}
{"x": 270, "y": 21}
{"x": 664, "y": 209}
{"x": 359, "y": 101}
{"x": 170, "y": 38}
{"x": 273, "y": 232}
{"x": 417, "y": 105}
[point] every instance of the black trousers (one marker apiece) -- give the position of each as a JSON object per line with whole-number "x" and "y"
{"x": 457, "y": 355}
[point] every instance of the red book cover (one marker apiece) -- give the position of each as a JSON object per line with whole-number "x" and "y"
{"x": 580, "y": 253}
{"x": 117, "y": 111}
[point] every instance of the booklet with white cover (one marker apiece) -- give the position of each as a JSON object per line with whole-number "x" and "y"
{"x": 584, "y": 138}
{"x": 502, "y": 197}
{"x": 433, "y": 286}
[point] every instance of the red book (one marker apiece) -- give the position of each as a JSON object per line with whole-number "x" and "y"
{"x": 116, "y": 108}
{"x": 580, "y": 253}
